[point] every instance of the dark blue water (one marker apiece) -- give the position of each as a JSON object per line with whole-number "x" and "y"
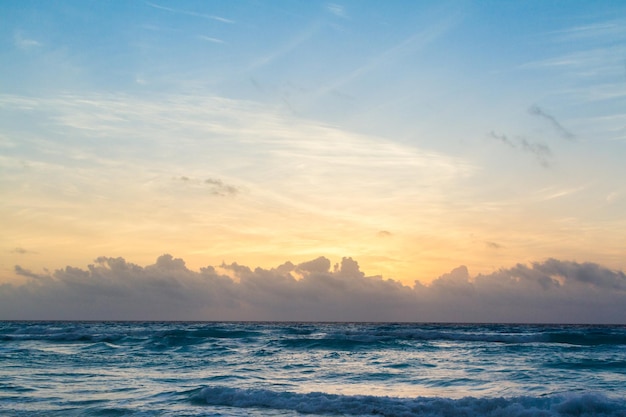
{"x": 287, "y": 369}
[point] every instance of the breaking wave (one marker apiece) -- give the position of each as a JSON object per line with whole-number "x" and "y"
{"x": 367, "y": 405}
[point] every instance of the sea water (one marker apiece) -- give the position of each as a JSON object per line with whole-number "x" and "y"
{"x": 314, "y": 369}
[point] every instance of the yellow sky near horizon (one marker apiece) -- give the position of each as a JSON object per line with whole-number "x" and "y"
{"x": 305, "y": 190}
{"x": 413, "y": 138}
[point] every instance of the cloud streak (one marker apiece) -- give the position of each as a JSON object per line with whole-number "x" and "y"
{"x": 539, "y": 150}
{"x": 190, "y": 13}
{"x": 216, "y": 186}
{"x": 219, "y": 188}
{"x": 539, "y": 112}
{"x": 112, "y": 288}
{"x": 21, "y": 251}
{"x": 337, "y": 10}
{"x": 210, "y": 39}
{"x": 25, "y": 43}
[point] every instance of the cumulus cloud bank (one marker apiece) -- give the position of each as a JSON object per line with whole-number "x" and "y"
{"x": 114, "y": 289}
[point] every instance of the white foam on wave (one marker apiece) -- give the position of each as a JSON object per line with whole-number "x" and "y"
{"x": 581, "y": 405}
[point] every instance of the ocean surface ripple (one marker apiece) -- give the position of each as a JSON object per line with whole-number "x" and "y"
{"x": 313, "y": 369}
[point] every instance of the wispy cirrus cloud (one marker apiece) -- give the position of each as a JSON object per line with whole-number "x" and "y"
{"x": 588, "y": 70}
{"x": 25, "y": 43}
{"x": 190, "y": 13}
{"x": 612, "y": 29}
{"x": 286, "y": 47}
{"x": 409, "y": 45}
{"x": 210, "y": 39}
{"x": 552, "y": 193}
{"x": 204, "y": 125}
{"x": 295, "y": 180}
{"x": 337, "y": 10}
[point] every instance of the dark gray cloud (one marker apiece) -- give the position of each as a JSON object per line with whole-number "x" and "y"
{"x": 219, "y": 188}
{"x": 29, "y": 274}
{"x": 502, "y": 138}
{"x": 538, "y": 111}
{"x": 114, "y": 289}
{"x": 493, "y": 245}
{"x": 216, "y": 186}
{"x": 22, "y": 251}
{"x": 540, "y": 151}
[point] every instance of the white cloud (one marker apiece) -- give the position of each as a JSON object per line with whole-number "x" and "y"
{"x": 613, "y": 196}
{"x": 210, "y": 39}
{"x": 595, "y": 31}
{"x": 336, "y": 9}
{"x": 191, "y": 13}
{"x": 253, "y": 145}
{"x": 112, "y": 288}
{"x": 552, "y": 193}
{"x": 24, "y": 43}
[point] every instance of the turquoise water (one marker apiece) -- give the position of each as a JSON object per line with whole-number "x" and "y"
{"x": 292, "y": 369}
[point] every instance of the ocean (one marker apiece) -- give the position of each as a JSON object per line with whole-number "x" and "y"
{"x": 310, "y": 369}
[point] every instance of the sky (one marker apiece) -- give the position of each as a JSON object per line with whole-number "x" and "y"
{"x": 440, "y": 160}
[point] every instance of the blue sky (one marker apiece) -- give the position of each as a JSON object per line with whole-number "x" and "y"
{"x": 413, "y": 137}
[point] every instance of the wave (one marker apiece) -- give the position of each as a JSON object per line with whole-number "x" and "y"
{"x": 588, "y": 337}
{"x": 367, "y": 337}
{"x": 587, "y": 364}
{"x": 321, "y": 336}
{"x": 167, "y": 334}
{"x": 580, "y": 405}
{"x": 331, "y": 343}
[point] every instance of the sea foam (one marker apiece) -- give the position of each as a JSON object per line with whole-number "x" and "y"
{"x": 367, "y": 405}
